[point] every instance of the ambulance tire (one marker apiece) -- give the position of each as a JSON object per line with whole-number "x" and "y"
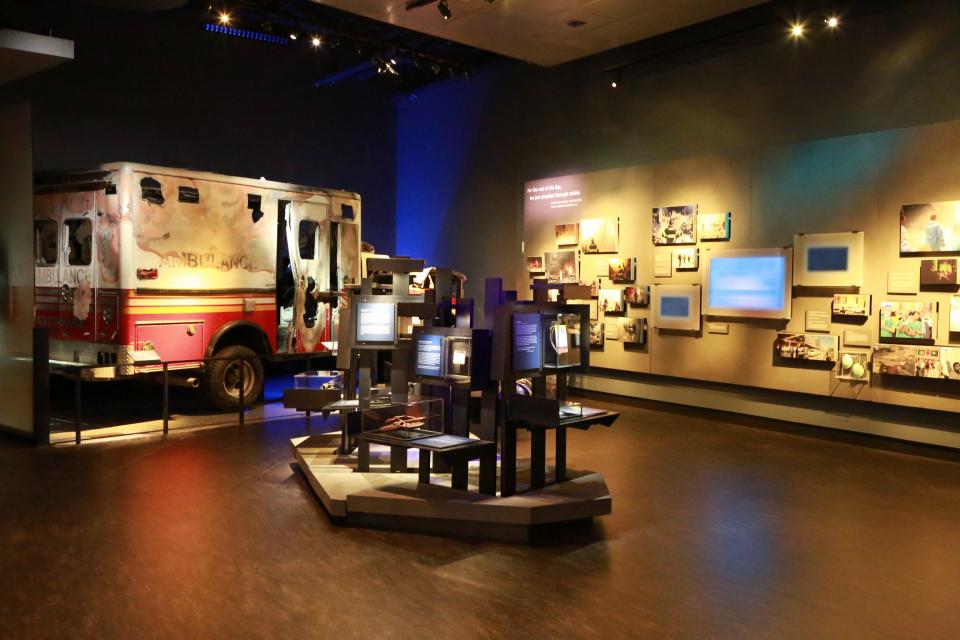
{"x": 220, "y": 382}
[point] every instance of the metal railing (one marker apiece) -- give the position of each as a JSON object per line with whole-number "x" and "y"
{"x": 75, "y": 372}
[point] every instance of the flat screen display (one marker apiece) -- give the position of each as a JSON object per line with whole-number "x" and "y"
{"x": 429, "y": 354}
{"x": 750, "y": 283}
{"x": 376, "y": 323}
{"x": 527, "y": 349}
{"x": 674, "y": 306}
{"x": 827, "y": 259}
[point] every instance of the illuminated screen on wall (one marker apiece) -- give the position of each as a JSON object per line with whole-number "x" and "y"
{"x": 674, "y": 306}
{"x": 828, "y": 259}
{"x": 527, "y": 351}
{"x": 750, "y": 283}
{"x": 429, "y": 354}
{"x": 376, "y": 323}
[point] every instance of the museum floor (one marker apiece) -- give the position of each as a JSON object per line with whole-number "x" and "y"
{"x": 722, "y": 527}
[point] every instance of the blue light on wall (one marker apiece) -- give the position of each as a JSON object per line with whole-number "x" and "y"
{"x": 245, "y": 33}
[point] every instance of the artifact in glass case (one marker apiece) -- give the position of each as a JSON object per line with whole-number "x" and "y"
{"x": 563, "y": 336}
{"x": 854, "y": 366}
{"x": 458, "y": 354}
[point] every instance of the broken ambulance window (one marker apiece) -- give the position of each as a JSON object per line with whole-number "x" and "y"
{"x": 45, "y": 241}
{"x": 253, "y": 203}
{"x": 346, "y": 211}
{"x": 188, "y": 194}
{"x": 307, "y": 238}
{"x": 79, "y": 241}
{"x": 150, "y": 190}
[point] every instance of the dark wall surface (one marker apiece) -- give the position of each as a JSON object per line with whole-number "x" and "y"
{"x": 155, "y": 88}
{"x": 464, "y": 149}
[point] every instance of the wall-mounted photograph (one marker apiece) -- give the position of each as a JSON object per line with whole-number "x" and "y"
{"x": 567, "y": 234}
{"x": 675, "y": 225}
{"x": 714, "y": 226}
{"x": 633, "y": 330}
{"x": 596, "y": 333}
{"x": 561, "y": 266}
{"x": 828, "y": 259}
{"x": 637, "y": 296}
{"x": 939, "y": 272}
{"x": 895, "y": 360}
{"x": 534, "y": 264}
{"x": 599, "y": 235}
{"x": 806, "y": 346}
{"x": 622, "y": 270}
{"x": 930, "y": 228}
{"x": 851, "y": 305}
{"x": 611, "y": 300}
{"x": 908, "y": 322}
{"x": 854, "y": 366}
{"x": 686, "y": 259}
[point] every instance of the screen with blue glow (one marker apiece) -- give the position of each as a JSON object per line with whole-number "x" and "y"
{"x": 748, "y": 283}
{"x": 827, "y": 258}
{"x": 674, "y": 307}
{"x": 526, "y": 342}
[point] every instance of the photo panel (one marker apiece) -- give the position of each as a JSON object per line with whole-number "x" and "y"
{"x": 622, "y": 270}
{"x": 806, "y": 346}
{"x": 930, "y": 228}
{"x": 938, "y": 272}
{"x": 686, "y": 259}
{"x": 908, "y": 322}
{"x": 895, "y": 360}
{"x": 851, "y": 305}
{"x": 632, "y": 330}
{"x": 637, "y": 296}
{"x": 535, "y": 264}
{"x": 611, "y": 301}
{"x": 596, "y": 334}
{"x": 950, "y": 362}
{"x": 675, "y": 225}
{"x": 561, "y": 266}
{"x": 599, "y": 235}
{"x": 713, "y": 227}
{"x": 567, "y": 234}
{"x": 828, "y": 259}
{"x": 676, "y": 307}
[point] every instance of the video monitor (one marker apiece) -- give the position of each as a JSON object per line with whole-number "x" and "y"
{"x": 676, "y": 307}
{"x": 429, "y": 355}
{"x": 376, "y": 323}
{"x": 749, "y": 283}
{"x": 527, "y": 347}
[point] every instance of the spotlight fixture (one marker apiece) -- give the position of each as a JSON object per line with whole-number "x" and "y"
{"x": 223, "y": 18}
{"x": 444, "y": 9}
{"x": 315, "y": 42}
{"x": 616, "y": 81}
{"x": 293, "y": 35}
{"x": 832, "y": 22}
{"x": 796, "y": 29}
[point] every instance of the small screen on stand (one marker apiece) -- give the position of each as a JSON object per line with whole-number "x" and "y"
{"x": 376, "y": 323}
{"x": 527, "y": 351}
{"x": 429, "y": 356}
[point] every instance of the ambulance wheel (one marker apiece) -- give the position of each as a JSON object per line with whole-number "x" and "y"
{"x": 221, "y": 380}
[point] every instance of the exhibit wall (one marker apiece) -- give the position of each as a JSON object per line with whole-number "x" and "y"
{"x": 831, "y": 134}
{"x": 16, "y": 270}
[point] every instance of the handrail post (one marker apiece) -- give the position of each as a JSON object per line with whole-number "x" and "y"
{"x": 243, "y": 364}
{"x": 166, "y": 399}
{"x": 77, "y": 407}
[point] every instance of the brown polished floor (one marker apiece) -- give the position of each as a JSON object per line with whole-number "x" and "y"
{"x": 719, "y": 530}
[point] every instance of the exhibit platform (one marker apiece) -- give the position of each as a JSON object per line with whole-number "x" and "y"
{"x": 398, "y": 501}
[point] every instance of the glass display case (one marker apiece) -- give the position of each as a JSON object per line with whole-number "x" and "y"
{"x": 412, "y": 419}
{"x": 562, "y": 340}
{"x": 318, "y": 380}
{"x": 458, "y": 354}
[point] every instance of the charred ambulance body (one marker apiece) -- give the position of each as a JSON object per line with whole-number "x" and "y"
{"x": 139, "y": 264}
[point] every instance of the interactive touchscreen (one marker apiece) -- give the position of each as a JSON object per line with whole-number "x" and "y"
{"x": 429, "y": 353}
{"x": 748, "y": 283}
{"x": 376, "y": 323}
{"x": 527, "y": 350}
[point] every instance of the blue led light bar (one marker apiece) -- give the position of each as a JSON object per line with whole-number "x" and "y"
{"x": 245, "y": 33}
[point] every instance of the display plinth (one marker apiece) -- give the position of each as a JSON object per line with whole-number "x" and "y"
{"x": 397, "y": 501}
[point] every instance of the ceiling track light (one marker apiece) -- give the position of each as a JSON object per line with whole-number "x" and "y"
{"x": 832, "y": 22}
{"x": 444, "y": 9}
{"x": 617, "y": 79}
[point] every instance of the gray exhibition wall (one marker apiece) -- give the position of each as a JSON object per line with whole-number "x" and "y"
{"x": 16, "y": 270}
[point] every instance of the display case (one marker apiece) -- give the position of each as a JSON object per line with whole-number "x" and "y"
{"x": 318, "y": 380}
{"x": 407, "y": 420}
{"x": 562, "y": 340}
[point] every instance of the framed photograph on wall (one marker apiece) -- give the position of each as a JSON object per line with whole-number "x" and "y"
{"x": 637, "y": 296}
{"x": 908, "y": 322}
{"x": 622, "y": 270}
{"x": 929, "y": 229}
{"x": 895, "y": 360}
{"x": 938, "y": 272}
{"x": 686, "y": 259}
{"x": 534, "y": 264}
{"x": 596, "y": 334}
{"x": 950, "y": 362}
{"x": 675, "y": 225}
{"x": 611, "y": 301}
{"x": 713, "y": 227}
{"x": 599, "y": 235}
{"x": 567, "y": 234}
{"x": 632, "y": 330}
{"x": 561, "y": 266}
{"x": 828, "y": 259}
{"x": 806, "y": 346}
{"x": 676, "y": 306}
{"x": 851, "y": 305}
